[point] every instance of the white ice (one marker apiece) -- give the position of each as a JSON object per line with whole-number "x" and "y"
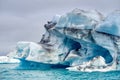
{"x": 5, "y": 59}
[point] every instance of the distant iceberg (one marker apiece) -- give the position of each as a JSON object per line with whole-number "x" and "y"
{"x": 6, "y": 60}
{"x": 81, "y": 40}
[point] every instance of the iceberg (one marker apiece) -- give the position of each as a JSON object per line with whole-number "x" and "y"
{"x": 6, "y": 60}
{"x": 79, "y": 40}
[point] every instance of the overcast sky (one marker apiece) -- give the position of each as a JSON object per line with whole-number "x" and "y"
{"x": 23, "y": 20}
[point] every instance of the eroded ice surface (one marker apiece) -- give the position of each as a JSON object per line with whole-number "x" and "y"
{"x": 97, "y": 64}
{"x": 32, "y": 51}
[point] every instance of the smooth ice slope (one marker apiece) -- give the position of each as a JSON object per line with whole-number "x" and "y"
{"x": 111, "y": 24}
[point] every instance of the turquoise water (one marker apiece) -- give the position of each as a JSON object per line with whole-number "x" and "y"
{"x": 7, "y": 72}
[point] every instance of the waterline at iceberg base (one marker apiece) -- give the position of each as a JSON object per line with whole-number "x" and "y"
{"x": 78, "y": 41}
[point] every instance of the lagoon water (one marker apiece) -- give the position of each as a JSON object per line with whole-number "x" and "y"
{"x": 8, "y": 72}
